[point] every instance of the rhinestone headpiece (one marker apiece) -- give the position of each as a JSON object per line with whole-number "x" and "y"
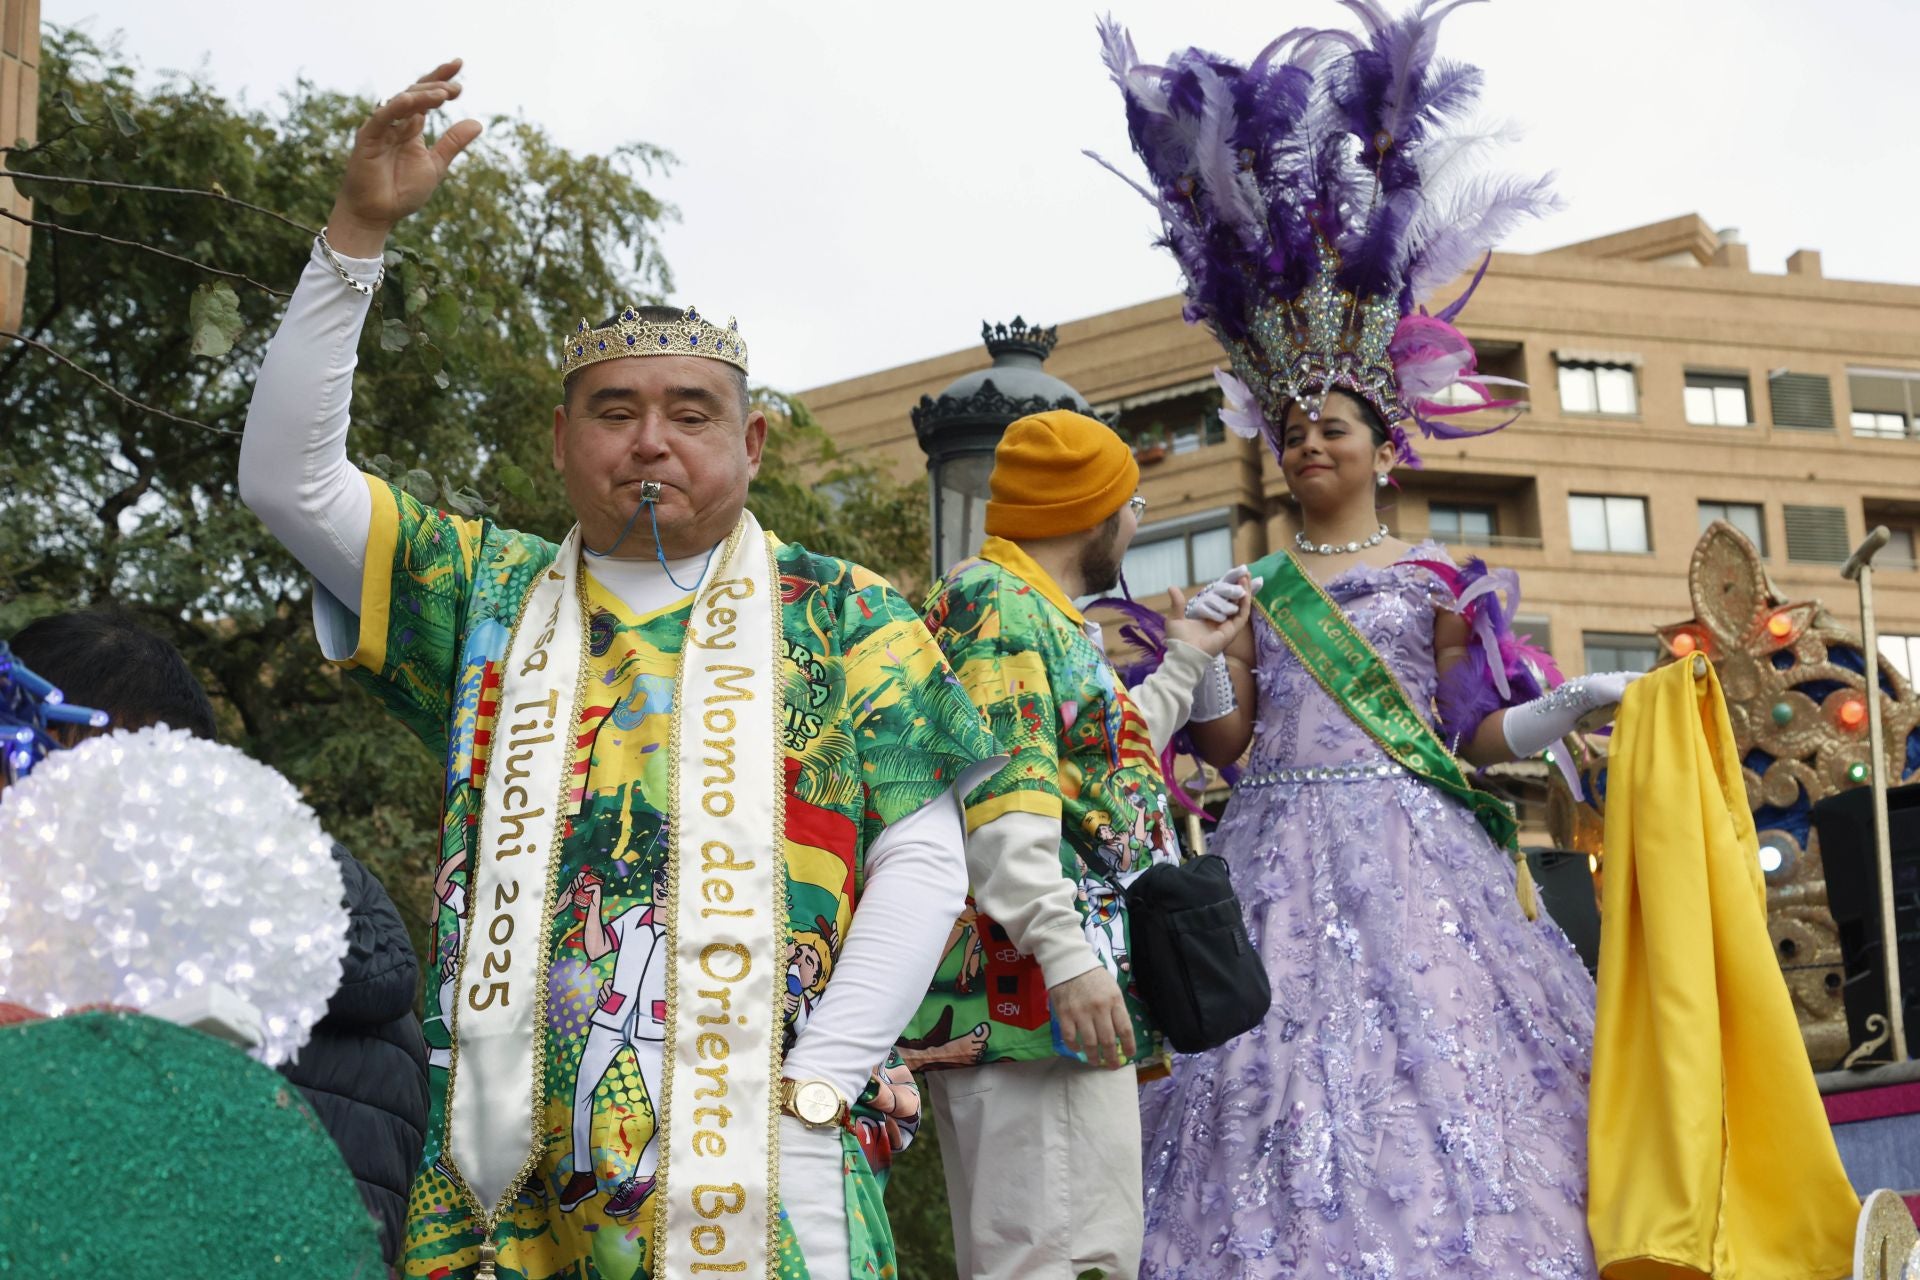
{"x": 1326, "y": 339}
{"x": 631, "y": 335}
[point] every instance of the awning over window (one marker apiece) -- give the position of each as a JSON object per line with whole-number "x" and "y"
{"x": 1579, "y": 355}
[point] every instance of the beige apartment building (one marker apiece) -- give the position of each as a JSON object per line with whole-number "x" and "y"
{"x": 19, "y": 116}
{"x": 1669, "y": 384}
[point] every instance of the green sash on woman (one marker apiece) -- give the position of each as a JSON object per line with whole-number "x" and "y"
{"x": 1343, "y": 663}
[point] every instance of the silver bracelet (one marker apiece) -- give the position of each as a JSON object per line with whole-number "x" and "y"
{"x": 353, "y": 282}
{"x": 1213, "y": 697}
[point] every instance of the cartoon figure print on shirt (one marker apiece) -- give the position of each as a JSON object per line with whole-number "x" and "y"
{"x": 1148, "y": 837}
{"x": 630, "y": 1013}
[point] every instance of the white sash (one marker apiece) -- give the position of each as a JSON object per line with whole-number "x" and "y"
{"x": 494, "y": 1120}
{"x": 726, "y": 922}
{"x": 720, "y": 1159}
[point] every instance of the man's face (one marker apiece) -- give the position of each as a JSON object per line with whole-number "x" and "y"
{"x": 808, "y": 962}
{"x": 674, "y": 420}
{"x": 1104, "y": 553}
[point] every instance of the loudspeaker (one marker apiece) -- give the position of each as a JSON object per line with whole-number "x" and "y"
{"x": 1565, "y": 882}
{"x": 1845, "y": 824}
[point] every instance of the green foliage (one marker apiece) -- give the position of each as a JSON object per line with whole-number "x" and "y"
{"x": 214, "y": 318}
{"x": 917, "y": 1206}
{"x": 809, "y": 492}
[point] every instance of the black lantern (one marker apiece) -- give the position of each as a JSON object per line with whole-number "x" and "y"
{"x": 959, "y": 429}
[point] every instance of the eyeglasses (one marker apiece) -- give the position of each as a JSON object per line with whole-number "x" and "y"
{"x": 1139, "y": 505}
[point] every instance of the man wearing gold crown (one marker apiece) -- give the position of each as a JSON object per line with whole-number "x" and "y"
{"x": 674, "y": 745}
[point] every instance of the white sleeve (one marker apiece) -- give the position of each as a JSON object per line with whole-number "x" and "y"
{"x": 916, "y": 888}
{"x": 1165, "y": 698}
{"x": 294, "y": 472}
{"x": 1014, "y": 863}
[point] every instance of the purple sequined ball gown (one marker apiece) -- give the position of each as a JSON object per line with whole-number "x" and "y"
{"x": 1415, "y": 1103}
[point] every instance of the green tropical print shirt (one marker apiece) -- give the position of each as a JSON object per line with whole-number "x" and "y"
{"x": 876, "y": 728}
{"x": 1080, "y": 753}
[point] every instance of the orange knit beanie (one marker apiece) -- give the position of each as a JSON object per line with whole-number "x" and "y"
{"x": 1058, "y": 473}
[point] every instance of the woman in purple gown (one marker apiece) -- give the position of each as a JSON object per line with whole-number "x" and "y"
{"x": 1414, "y": 1104}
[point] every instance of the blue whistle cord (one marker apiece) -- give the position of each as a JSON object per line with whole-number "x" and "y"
{"x": 658, "y": 554}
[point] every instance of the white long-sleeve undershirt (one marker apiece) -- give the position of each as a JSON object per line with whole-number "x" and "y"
{"x": 1013, "y": 861}
{"x": 294, "y": 474}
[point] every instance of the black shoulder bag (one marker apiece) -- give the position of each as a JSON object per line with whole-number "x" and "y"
{"x": 1192, "y": 963}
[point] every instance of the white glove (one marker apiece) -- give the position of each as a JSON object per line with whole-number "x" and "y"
{"x": 1534, "y": 726}
{"x": 1221, "y": 600}
{"x": 1214, "y": 698}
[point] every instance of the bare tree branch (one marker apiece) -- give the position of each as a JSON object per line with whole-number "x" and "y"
{"x": 146, "y": 248}
{"x": 112, "y": 390}
{"x": 221, "y": 196}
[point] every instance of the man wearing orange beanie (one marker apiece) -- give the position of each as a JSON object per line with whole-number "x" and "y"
{"x": 1031, "y": 1028}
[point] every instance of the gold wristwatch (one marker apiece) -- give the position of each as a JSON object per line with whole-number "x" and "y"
{"x": 814, "y": 1103}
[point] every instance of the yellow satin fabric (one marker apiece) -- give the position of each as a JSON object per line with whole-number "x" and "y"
{"x": 1708, "y": 1151}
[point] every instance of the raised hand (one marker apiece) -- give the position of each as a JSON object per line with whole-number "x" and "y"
{"x": 1216, "y": 615}
{"x": 392, "y": 171}
{"x": 1220, "y": 599}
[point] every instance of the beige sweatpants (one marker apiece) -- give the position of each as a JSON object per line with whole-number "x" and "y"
{"x": 1043, "y": 1169}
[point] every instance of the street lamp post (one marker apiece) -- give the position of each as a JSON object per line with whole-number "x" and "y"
{"x": 959, "y": 429}
{"x": 1860, "y": 568}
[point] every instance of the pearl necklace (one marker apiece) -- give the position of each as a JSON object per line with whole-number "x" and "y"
{"x": 1301, "y": 540}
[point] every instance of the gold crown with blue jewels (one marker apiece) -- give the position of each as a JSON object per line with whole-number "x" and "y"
{"x": 631, "y": 334}
{"x": 1324, "y": 340}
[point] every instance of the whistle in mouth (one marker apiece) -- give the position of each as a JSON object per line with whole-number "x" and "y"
{"x": 649, "y": 491}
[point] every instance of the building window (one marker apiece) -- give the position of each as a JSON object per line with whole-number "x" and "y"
{"x": 1718, "y": 400}
{"x": 1598, "y": 388}
{"x": 1608, "y": 652}
{"x": 1898, "y": 553}
{"x": 1457, "y": 524}
{"x": 1182, "y": 418}
{"x": 1817, "y": 535}
{"x": 1608, "y": 522}
{"x": 1901, "y": 652}
{"x": 1180, "y": 554}
{"x": 1874, "y": 422}
{"x": 1535, "y": 629}
{"x": 1884, "y": 402}
{"x": 1747, "y": 517}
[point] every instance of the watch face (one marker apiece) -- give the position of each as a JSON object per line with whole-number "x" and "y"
{"x": 815, "y": 1102}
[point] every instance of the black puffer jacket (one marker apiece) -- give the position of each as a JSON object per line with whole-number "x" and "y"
{"x": 365, "y": 1069}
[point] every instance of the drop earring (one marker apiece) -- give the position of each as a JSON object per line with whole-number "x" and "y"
{"x": 1380, "y": 480}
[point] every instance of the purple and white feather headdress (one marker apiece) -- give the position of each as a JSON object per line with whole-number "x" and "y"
{"x": 1315, "y": 199}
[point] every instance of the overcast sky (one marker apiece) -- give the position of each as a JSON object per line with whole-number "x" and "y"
{"x": 863, "y": 183}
